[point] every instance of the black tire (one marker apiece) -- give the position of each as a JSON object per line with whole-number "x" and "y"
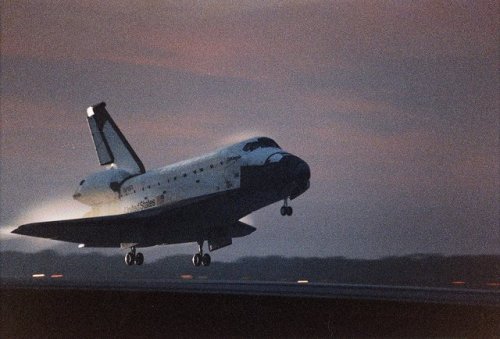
{"x": 139, "y": 259}
{"x": 129, "y": 259}
{"x": 283, "y": 210}
{"x": 196, "y": 259}
{"x": 289, "y": 211}
{"x": 205, "y": 260}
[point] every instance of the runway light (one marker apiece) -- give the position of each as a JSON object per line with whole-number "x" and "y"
{"x": 302, "y": 281}
{"x": 493, "y": 284}
{"x": 186, "y": 276}
{"x": 81, "y": 246}
{"x": 458, "y": 282}
{"x": 38, "y": 275}
{"x": 55, "y": 276}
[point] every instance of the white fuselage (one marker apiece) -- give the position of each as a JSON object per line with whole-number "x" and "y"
{"x": 215, "y": 172}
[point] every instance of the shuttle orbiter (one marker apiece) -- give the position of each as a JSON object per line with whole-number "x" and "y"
{"x": 197, "y": 200}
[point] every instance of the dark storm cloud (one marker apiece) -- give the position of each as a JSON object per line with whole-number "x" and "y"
{"x": 393, "y": 104}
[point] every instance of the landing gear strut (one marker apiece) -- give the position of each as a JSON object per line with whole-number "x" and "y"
{"x": 285, "y": 209}
{"x": 134, "y": 258}
{"x": 200, "y": 258}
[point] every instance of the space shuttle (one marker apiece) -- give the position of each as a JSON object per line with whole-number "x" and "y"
{"x": 193, "y": 201}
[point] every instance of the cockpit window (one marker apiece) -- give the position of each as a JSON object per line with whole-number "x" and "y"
{"x": 261, "y": 142}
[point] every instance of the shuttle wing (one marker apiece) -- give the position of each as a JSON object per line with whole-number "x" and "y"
{"x": 178, "y": 223}
{"x": 106, "y": 231}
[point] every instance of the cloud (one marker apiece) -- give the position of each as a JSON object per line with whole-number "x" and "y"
{"x": 257, "y": 41}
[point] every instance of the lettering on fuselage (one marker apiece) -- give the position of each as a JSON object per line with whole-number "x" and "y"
{"x": 147, "y": 203}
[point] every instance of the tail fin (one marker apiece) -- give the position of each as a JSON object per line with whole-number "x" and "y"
{"x": 110, "y": 144}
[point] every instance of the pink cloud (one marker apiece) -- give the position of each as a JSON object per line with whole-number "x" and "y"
{"x": 248, "y": 41}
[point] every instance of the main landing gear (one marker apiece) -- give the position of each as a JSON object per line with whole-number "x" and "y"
{"x": 134, "y": 258}
{"x": 285, "y": 209}
{"x": 200, "y": 258}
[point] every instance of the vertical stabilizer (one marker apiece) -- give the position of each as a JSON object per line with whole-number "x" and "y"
{"x": 110, "y": 144}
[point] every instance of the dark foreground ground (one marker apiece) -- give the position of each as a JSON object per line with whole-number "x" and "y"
{"x": 102, "y": 313}
{"x": 94, "y": 296}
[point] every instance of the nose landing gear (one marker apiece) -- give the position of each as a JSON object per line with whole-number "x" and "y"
{"x": 134, "y": 258}
{"x": 200, "y": 258}
{"x": 285, "y": 209}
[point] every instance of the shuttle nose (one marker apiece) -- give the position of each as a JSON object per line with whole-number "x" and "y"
{"x": 298, "y": 172}
{"x": 302, "y": 171}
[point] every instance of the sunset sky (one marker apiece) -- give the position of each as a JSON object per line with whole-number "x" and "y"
{"x": 394, "y": 104}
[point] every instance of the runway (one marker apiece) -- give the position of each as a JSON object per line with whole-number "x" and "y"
{"x": 458, "y": 296}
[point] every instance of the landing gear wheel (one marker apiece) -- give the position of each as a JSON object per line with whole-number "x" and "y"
{"x": 205, "y": 260}
{"x": 197, "y": 259}
{"x": 139, "y": 259}
{"x": 285, "y": 209}
{"x": 129, "y": 259}
{"x": 200, "y": 258}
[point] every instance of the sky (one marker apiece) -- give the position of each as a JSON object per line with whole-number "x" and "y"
{"x": 394, "y": 105}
